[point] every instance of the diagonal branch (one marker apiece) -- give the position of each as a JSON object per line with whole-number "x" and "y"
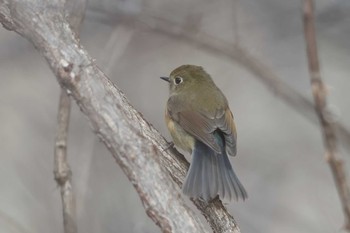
{"x": 62, "y": 172}
{"x": 134, "y": 143}
{"x": 327, "y": 127}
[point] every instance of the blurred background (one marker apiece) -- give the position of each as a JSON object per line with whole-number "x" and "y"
{"x": 280, "y": 158}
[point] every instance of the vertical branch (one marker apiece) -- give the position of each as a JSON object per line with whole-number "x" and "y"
{"x": 62, "y": 171}
{"x": 75, "y": 11}
{"x": 319, "y": 94}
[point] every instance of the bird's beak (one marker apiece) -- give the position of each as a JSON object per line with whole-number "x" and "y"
{"x": 165, "y": 79}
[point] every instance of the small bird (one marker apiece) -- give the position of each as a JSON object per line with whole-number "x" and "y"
{"x": 200, "y": 122}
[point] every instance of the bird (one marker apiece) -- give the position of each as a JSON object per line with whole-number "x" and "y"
{"x": 200, "y": 122}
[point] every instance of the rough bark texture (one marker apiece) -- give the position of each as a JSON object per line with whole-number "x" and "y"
{"x": 75, "y": 11}
{"x": 135, "y": 144}
{"x": 327, "y": 127}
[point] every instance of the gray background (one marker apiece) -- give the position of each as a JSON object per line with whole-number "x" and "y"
{"x": 280, "y": 154}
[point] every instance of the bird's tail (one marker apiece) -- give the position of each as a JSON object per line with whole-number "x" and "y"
{"x": 211, "y": 174}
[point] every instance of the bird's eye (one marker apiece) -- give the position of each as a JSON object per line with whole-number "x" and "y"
{"x": 178, "y": 80}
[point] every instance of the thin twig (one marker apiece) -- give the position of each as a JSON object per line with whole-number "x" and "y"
{"x": 319, "y": 93}
{"x": 62, "y": 172}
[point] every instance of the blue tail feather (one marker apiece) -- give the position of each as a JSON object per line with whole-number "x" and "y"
{"x": 211, "y": 174}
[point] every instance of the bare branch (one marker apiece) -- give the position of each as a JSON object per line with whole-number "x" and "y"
{"x": 319, "y": 93}
{"x": 134, "y": 143}
{"x": 62, "y": 172}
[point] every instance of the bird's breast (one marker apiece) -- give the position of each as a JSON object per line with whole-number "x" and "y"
{"x": 180, "y": 137}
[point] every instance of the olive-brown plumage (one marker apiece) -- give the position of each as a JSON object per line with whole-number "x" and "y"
{"x": 200, "y": 122}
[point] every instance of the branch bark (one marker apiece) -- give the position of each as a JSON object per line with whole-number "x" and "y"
{"x": 319, "y": 93}
{"x": 135, "y": 144}
{"x": 62, "y": 172}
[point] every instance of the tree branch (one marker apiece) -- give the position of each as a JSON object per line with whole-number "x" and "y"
{"x": 319, "y": 93}
{"x": 135, "y": 144}
{"x": 62, "y": 172}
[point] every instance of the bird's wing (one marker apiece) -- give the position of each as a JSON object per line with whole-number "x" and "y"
{"x": 226, "y": 124}
{"x": 202, "y": 127}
